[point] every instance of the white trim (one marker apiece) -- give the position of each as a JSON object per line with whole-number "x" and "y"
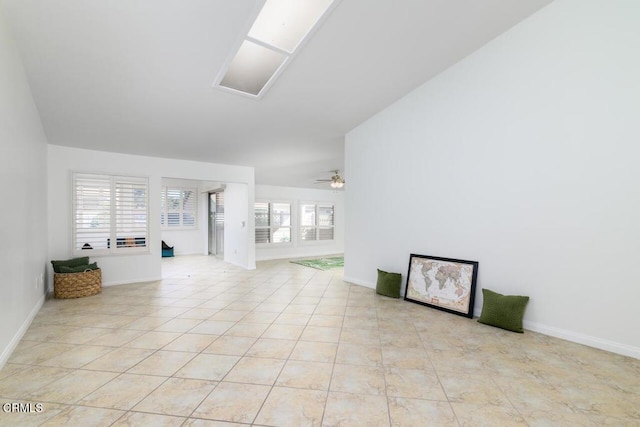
{"x": 268, "y": 46}
{"x": 274, "y": 247}
{"x": 130, "y": 282}
{"x": 117, "y": 283}
{"x": 576, "y": 337}
{"x": 311, "y": 255}
{"x": 358, "y": 282}
{"x": 23, "y": 329}
{"x": 175, "y": 254}
{"x": 237, "y": 264}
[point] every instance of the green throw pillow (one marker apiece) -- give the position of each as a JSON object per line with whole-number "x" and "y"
{"x": 388, "y": 284}
{"x": 503, "y": 311}
{"x": 78, "y": 268}
{"x": 74, "y": 262}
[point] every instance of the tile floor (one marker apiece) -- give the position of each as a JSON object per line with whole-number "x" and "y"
{"x": 286, "y": 345}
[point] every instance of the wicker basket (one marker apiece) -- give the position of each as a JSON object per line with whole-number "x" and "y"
{"x": 76, "y": 285}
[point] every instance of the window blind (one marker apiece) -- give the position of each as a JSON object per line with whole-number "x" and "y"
{"x": 316, "y": 221}
{"x": 179, "y": 207}
{"x": 131, "y": 212}
{"x": 92, "y": 211}
{"x": 109, "y": 209}
{"x": 272, "y": 222}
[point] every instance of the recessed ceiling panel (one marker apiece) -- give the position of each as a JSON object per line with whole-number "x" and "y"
{"x": 284, "y": 23}
{"x": 251, "y": 68}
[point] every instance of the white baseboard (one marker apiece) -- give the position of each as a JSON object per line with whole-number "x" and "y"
{"x": 296, "y": 256}
{"x": 20, "y": 333}
{"x": 602, "y": 344}
{"x": 370, "y": 285}
{"x": 120, "y": 282}
{"x": 129, "y": 282}
{"x": 237, "y": 264}
{"x": 611, "y": 346}
{"x": 359, "y": 282}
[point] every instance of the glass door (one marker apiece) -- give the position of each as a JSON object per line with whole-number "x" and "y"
{"x": 216, "y": 223}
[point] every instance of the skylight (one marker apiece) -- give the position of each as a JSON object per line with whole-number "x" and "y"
{"x": 280, "y": 29}
{"x": 252, "y": 67}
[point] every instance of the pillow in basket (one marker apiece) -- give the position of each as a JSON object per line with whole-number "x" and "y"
{"x": 73, "y": 262}
{"x": 79, "y": 268}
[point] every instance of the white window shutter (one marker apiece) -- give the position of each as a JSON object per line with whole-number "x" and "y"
{"x": 109, "y": 209}
{"x": 92, "y": 212}
{"x": 131, "y": 212}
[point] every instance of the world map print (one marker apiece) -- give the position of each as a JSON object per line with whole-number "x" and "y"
{"x": 441, "y": 283}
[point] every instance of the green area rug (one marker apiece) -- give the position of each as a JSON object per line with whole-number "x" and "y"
{"x": 322, "y": 263}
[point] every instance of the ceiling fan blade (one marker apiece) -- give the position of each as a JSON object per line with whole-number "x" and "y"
{"x": 336, "y": 180}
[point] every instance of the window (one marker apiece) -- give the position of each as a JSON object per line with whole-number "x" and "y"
{"x": 110, "y": 209}
{"x": 316, "y": 221}
{"x": 273, "y": 222}
{"x": 178, "y": 207}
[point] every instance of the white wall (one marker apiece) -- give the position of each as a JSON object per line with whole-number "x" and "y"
{"x": 237, "y": 226}
{"x": 23, "y": 223}
{"x": 524, "y": 157}
{"x": 62, "y": 161}
{"x": 297, "y": 249}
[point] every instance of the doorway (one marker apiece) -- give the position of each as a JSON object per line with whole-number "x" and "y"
{"x": 216, "y": 223}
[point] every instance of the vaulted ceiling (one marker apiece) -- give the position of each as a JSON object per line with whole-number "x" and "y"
{"x": 136, "y": 76}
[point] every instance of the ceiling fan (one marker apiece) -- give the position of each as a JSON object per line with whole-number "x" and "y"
{"x": 336, "y": 181}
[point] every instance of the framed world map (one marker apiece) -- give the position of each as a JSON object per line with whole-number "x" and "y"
{"x": 442, "y": 283}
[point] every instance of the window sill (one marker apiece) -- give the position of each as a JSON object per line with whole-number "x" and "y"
{"x": 274, "y": 245}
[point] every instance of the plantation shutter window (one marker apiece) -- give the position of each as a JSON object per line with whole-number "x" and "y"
{"x": 173, "y": 207}
{"x": 163, "y": 208}
{"x": 92, "y": 211}
{"x": 281, "y": 222}
{"x": 316, "y": 222}
{"x": 131, "y": 212}
{"x": 263, "y": 222}
{"x": 307, "y": 221}
{"x": 189, "y": 208}
{"x": 272, "y": 222}
{"x": 110, "y": 209}
{"x": 179, "y": 207}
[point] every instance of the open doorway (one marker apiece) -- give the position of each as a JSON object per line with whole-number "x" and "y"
{"x": 204, "y": 227}
{"x": 216, "y": 223}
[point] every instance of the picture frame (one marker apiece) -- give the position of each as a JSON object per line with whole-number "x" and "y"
{"x": 445, "y": 284}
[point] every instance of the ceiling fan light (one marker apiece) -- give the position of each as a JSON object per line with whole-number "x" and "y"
{"x": 337, "y": 184}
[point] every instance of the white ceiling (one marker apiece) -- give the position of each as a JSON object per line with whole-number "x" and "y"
{"x": 136, "y": 76}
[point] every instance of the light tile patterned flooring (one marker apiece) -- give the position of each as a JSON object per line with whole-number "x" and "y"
{"x": 286, "y": 345}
